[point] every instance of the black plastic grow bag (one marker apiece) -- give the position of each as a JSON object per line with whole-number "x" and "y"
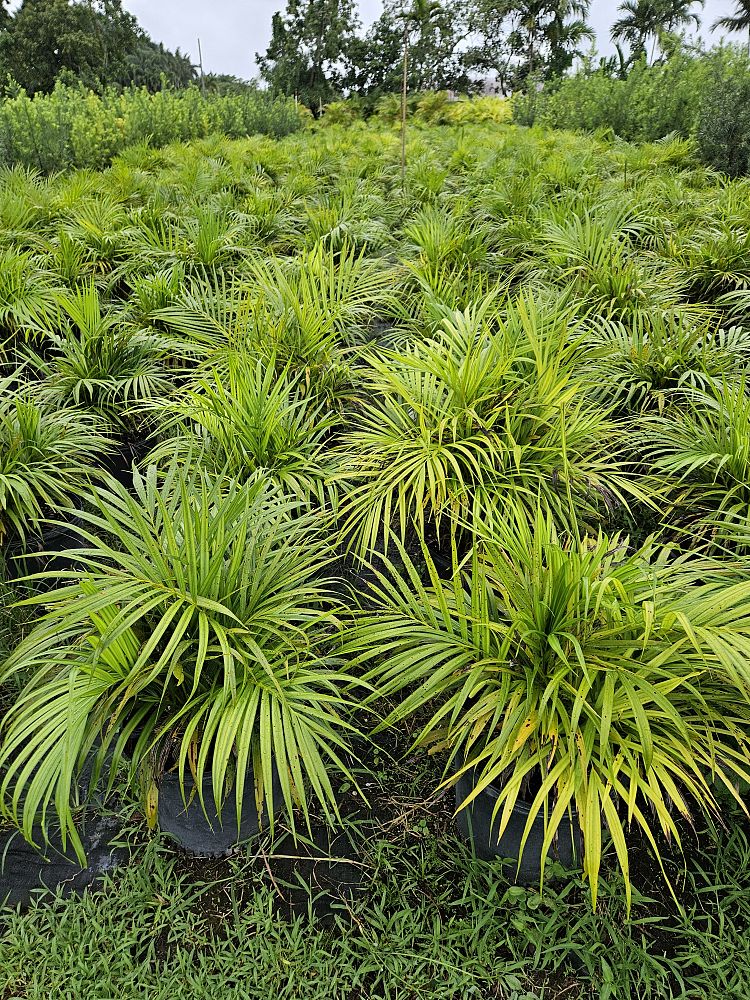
{"x": 198, "y": 828}
{"x": 477, "y": 825}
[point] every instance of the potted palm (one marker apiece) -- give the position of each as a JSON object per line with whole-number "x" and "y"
{"x": 46, "y": 453}
{"x": 195, "y": 640}
{"x": 572, "y": 686}
{"x": 244, "y": 420}
{"x": 700, "y": 452}
{"x": 100, "y": 361}
{"x": 491, "y": 406}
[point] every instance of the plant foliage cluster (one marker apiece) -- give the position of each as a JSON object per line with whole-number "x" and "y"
{"x": 473, "y": 448}
{"x": 74, "y": 127}
{"x": 704, "y": 97}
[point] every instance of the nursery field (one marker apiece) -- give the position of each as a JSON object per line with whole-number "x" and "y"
{"x": 333, "y": 500}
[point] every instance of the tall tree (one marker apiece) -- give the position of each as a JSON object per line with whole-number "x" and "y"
{"x": 96, "y": 41}
{"x": 565, "y": 33}
{"x": 91, "y": 39}
{"x": 643, "y": 22}
{"x": 518, "y": 39}
{"x": 310, "y": 49}
{"x": 737, "y": 22}
{"x": 151, "y": 63}
{"x": 435, "y": 32}
{"x": 640, "y": 21}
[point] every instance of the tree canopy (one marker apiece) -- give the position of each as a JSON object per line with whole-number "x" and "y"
{"x": 310, "y": 49}
{"x": 95, "y": 41}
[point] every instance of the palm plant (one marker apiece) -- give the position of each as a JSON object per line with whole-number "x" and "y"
{"x": 448, "y": 239}
{"x": 595, "y": 254}
{"x": 300, "y": 315}
{"x": 639, "y": 368}
{"x": 701, "y": 451}
{"x": 644, "y": 19}
{"x": 340, "y": 293}
{"x": 69, "y": 258}
{"x": 353, "y": 217}
{"x": 99, "y": 224}
{"x": 484, "y": 418}
{"x": 200, "y": 625}
{"x": 213, "y": 238}
{"x": 26, "y": 296}
{"x": 250, "y": 424}
{"x": 573, "y": 675}
{"x": 268, "y": 213}
{"x": 46, "y": 457}
{"x": 209, "y": 312}
{"x": 738, "y": 21}
{"x": 18, "y": 219}
{"x": 100, "y": 362}
{"x": 156, "y": 242}
{"x": 151, "y": 292}
{"x": 717, "y": 259}
{"x": 566, "y": 32}
{"x": 639, "y": 21}
{"x": 679, "y": 13}
{"x": 24, "y": 202}
{"x": 454, "y": 265}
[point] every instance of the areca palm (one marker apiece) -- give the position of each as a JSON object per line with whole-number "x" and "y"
{"x": 595, "y": 253}
{"x": 46, "y": 456}
{"x": 485, "y": 418}
{"x": 640, "y": 367}
{"x": 678, "y": 13}
{"x": 574, "y": 676}
{"x": 642, "y": 20}
{"x": 201, "y": 623}
{"x": 702, "y": 451}
{"x": 717, "y": 258}
{"x": 300, "y": 315}
{"x": 100, "y": 361}
{"x": 558, "y": 25}
{"x": 738, "y": 21}
{"x": 26, "y": 295}
{"x": 249, "y": 423}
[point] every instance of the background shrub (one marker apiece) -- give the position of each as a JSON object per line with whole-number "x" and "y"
{"x": 723, "y": 131}
{"x": 706, "y": 97}
{"x": 74, "y": 127}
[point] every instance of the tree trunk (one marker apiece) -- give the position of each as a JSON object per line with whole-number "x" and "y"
{"x": 404, "y": 88}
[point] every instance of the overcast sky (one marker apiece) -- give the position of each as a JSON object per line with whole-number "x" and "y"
{"x": 232, "y": 31}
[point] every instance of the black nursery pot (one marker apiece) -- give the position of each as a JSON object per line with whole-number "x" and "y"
{"x": 204, "y": 833}
{"x": 477, "y": 825}
{"x": 121, "y": 458}
{"x": 42, "y": 551}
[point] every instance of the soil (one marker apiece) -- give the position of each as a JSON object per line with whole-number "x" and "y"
{"x": 325, "y": 869}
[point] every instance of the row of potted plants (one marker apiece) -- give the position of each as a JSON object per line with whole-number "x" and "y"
{"x": 475, "y": 451}
{"x": 203, "y": 633}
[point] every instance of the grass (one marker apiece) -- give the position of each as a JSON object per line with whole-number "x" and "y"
{"x": 391, "y": 907}
{"x": 425, "y": 922}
